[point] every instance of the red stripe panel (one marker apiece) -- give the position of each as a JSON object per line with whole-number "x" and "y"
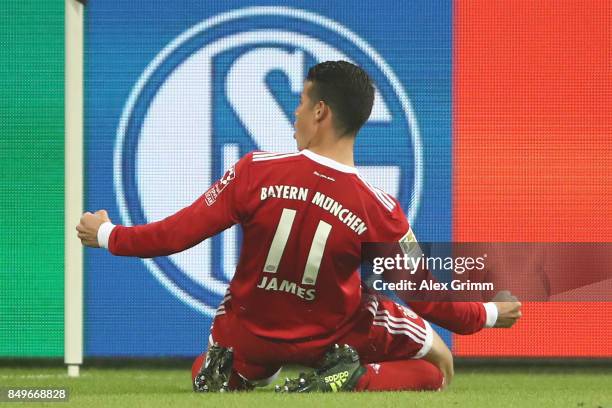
{"x": 533, "y": 150}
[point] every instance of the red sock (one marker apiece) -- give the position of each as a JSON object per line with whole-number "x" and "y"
{"x": 197, "y": 365}
{"x": 414, "y": 375}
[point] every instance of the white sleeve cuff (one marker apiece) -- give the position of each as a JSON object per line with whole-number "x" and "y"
{"x": 104, "y": 233}
{"x": 491, "y": 310}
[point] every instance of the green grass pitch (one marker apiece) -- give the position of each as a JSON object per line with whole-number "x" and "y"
{"x": 474, "y": 386}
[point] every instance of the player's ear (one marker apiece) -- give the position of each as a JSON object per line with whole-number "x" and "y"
{"x": 321, "y": 111}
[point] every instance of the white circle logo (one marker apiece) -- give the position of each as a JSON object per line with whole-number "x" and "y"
{"x": 227, "y": 86}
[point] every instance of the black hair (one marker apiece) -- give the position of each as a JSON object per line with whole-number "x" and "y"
{"x": 348, "y": 91}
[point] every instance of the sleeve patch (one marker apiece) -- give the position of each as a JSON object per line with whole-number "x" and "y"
{"x": 211, "y": 195}
{"x": 410, "y": 245}
{"x": 213, "y": 192}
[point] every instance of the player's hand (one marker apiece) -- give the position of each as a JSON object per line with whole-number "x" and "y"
{"x": 508, "y": 309}
{"x": 88, "y": 227}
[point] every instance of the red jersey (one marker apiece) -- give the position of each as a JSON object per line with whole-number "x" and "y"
{"x": 304, "y": 217}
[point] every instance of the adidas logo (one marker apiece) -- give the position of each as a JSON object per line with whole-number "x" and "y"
{"x": 335, "y": 381}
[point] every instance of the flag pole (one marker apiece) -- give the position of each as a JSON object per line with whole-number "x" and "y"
{"x": 73, "y": 186}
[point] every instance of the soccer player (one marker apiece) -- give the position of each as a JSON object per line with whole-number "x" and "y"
{"x": 296, "y": 293}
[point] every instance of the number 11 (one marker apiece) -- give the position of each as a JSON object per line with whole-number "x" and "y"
{"x": 281, "y": 236}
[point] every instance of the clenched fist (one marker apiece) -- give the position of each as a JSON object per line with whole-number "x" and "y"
{"x": 88, "y": 227}
{"x": 508, "y": 309}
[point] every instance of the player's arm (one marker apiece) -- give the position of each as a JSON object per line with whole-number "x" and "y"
{"x": 437, "y": 306}
{"x": 222, "y": 206}
{"x": 458, "y": 317}
{"x": 470, "y": 317}
{"x": 467, "y": 317}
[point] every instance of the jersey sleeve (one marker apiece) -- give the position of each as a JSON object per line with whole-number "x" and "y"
{"x": 220, "y": 207}
{"x": 458, "y": 317}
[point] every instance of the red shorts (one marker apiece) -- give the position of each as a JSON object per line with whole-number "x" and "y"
{"x": 381, "y": 331}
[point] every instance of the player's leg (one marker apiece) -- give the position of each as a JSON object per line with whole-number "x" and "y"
{"x": 351, "y": 375}
{"x": 433, "y": 372}
{"x": 213, "y": 371}
{"x": 401, "y": 350}
{"x": 230, "y": 374}
{"x": 391, "y": 342}
{"x": 339, "y": 370}
{"x": 227, "y": 366}
{"x": 440, "y": 356}
{"x": 196, "y": 366}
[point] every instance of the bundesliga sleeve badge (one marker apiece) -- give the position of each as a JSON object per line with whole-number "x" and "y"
{"x": 213, "y": 192}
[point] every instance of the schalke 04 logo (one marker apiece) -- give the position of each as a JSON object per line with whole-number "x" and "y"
{"x": 227, "y": 86}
